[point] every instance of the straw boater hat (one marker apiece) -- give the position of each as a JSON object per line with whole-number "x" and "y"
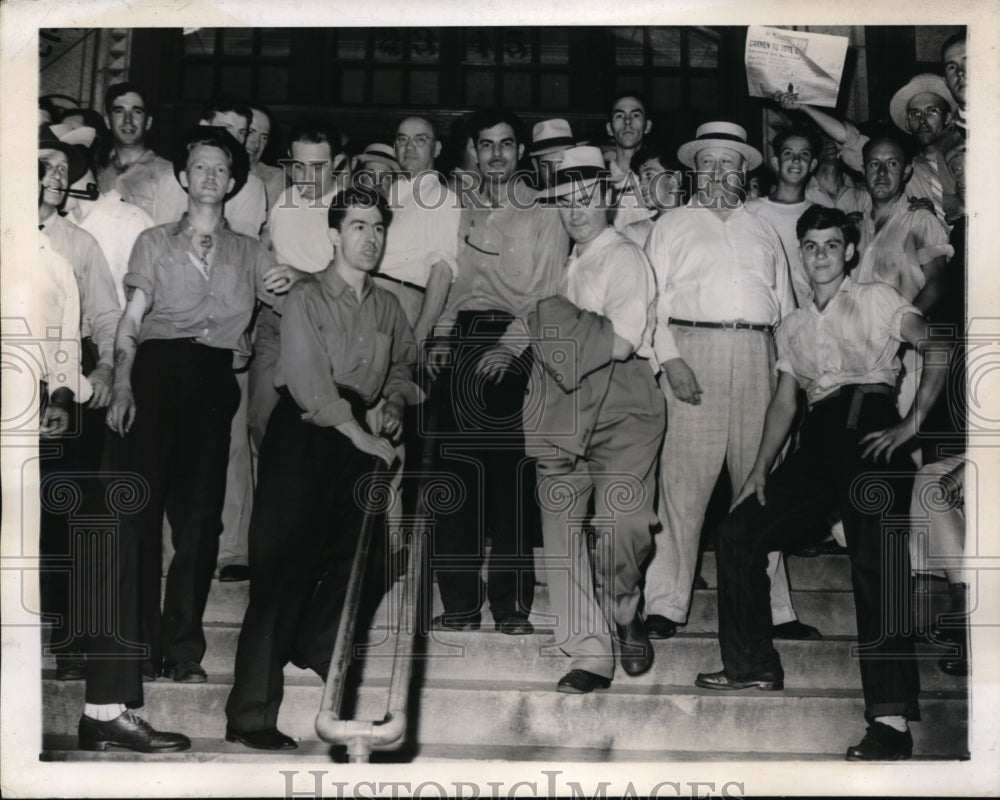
{"x": 720, "y": 134}
{"x": 550, "y": 135}
{"x": 380, "y": 154}
{"x": 580, "y": 168}
{"x": 77, "y": 164}
{"x": 222, "y": 139}
{"x": 927, "y": 82}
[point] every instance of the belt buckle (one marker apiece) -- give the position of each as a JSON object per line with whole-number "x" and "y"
{"x": 731, "y": 325}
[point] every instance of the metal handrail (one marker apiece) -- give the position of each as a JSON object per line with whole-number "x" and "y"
{"x": 363, "y": 736}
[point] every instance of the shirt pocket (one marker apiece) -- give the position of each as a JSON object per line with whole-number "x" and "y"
{"x": 180, "y": 286}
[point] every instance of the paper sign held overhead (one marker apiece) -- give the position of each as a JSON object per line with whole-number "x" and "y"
{"x": 809, "y": 64}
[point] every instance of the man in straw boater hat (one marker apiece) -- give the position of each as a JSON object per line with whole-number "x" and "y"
{"x": 600, "y": 427}
{"x": 724, "y": 286}
{"x": 192, "y": 286}
{"x": 549, "y": 140}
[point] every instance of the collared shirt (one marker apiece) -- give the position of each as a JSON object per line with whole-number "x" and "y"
{"x": 784, "y": 216}
{"x": 246, "y": 211}
{"x": 854, "y": 339}
{"x": 895, "y": 253}
{"x": 509, "y": 258}
{"x": 115, "y": 225}
{"x": 300, "y": 231}
{"x": 99, "y": 308}
{"x": 333, "y": 340}
{"x": 849, "y": 199}
{"x": 273, "y": 179}
{"x": 214, "y": 310}
{"x": 53, "y": 316}
{"x": 713, "y": 270}
{"x": 612, "y": 277}
{"x": 137, "y": 181}
{"x": 424, "y": 229}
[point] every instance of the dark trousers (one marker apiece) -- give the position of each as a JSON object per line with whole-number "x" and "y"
{"x": 480, "y": 442}
{"x": 185, "y": 398}
{"x": 826, "y": 473}
{"x": 306, "y": 520}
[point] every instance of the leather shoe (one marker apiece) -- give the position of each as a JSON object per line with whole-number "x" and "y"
{"x": 270, "y": 739}
{"x": 185, "y": 672}
{"x": 149, "y": 672}
{"x": 636, "y": 651}
{"x": 581, "y": 681}
{"x": 795, "y": 630}
{"x": 882, "y": 743}
{"x": 700, "y": 582}
{"x": 131, "y": 732}
{"x": 514, "y": 625}
{"x": 233, "y": 573}
{"x": 660, "y": 627}
{"x": 766, "y": 682}
{"x": 456, "y": 622}
{"x": 71, "y": 667}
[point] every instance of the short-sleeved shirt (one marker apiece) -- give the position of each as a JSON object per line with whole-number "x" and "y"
{"x": 424, "y": 229}
{"x": 854, "y": 340}
{"x": 713, "y": 270}
{"x": 612, "y": 277}
{"x": 99, "y": 307}
{"x": 116, "y": 225}
{"x": 332, "y": 340}
{"x": 136, "y": 182}
{"x": 895, "y": 253}
{"x": 509, "y": 258}
{"x": 214, "y": 310}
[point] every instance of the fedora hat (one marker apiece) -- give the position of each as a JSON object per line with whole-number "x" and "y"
{"x": 76, "y": 163}
{"x": 926, "y": 82}
{"x": 380, "y": 154}
{"x": 550, "y": 135}
{"x": 224, "y": 140}
{"x": 581, "y": 167}
{"x": 720, "y": 134}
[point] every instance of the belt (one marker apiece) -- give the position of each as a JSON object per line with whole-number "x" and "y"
{"x": 735, "y": 325}
{"x": 858, "y": 392}
{"x": 407, "y": 284}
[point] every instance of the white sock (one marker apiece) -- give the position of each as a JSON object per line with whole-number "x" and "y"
{"x": 103, "y": 712}
{"x": 895, "y": 722}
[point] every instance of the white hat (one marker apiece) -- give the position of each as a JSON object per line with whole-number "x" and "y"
{"x": 926, "y": 82}
{"x": 720, "y": 134}
{"x": 550, "y": 135}
{"x": 580, "y": 168}
{"x": 380, "y": 154}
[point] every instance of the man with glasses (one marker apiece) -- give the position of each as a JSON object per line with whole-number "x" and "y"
{"x": 510, "y": 256}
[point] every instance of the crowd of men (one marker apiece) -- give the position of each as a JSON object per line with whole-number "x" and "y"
{"x": 582, "y": 348}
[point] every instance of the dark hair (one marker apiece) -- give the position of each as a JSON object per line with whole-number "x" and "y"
{"x": 633, "y": 93}
{"x": 821, "y": 218}
{"x": 118, "y": 89}
{"x": 883, "y": 136}
{"x": 491, "y": 117}
{"x": 357, "y": 197}
{"x": 662, "y": 151}
{"x": 810, "y": 134}
{"x": 226, "y": 105}
{"x": 953, "y": 39}
{"x": 765, "y": 180}
{"x": 317, "y": 131}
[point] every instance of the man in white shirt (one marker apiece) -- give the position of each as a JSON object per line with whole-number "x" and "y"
{"x": 298, "y": 231}
{"x": 723, "y": 286}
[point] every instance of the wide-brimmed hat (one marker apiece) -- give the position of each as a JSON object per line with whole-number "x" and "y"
{"x": 926, "y": 82}
{"x": 550, "y": 135}
{"x": 380, "y": 154}
{"x": 581, "y": 167}
{"x": 720, "y": 134}
{"x": 77, "y": 164}
{"x": 224, "y": 140}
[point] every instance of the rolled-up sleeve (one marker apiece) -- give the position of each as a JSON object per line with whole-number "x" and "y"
{"x": 443, "y": 220}
{"x": 404, "y": 357}
{"x": 141, "y": 273}
{"x": 306, "y": 367}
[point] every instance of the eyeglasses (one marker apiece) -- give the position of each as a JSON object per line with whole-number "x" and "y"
{"x": 420, "y": 140}
{"x": 929, "y": 113}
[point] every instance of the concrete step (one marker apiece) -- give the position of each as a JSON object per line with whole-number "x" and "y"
{"x": 633, "y": 717}
{"x": 487, "y": 655}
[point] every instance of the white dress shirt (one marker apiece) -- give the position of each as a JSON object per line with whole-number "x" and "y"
{"x": 300, "y": 231}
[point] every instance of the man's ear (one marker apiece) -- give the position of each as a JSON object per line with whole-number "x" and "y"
{"x": 437, "y": 148}
{"x": 607, "y": 127}
{"x": 232, "y": 183}
{"x": 520, "y": 152}
{"x": 813, "y": 164}
{"x": 334, "y": 236}
{"x": 849, "y": 252}
{"x": 907, "y": 174}
{"x": 649, "y": 127}
{"x": 183, "y": 178}
{"x": 775, "y": 164}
